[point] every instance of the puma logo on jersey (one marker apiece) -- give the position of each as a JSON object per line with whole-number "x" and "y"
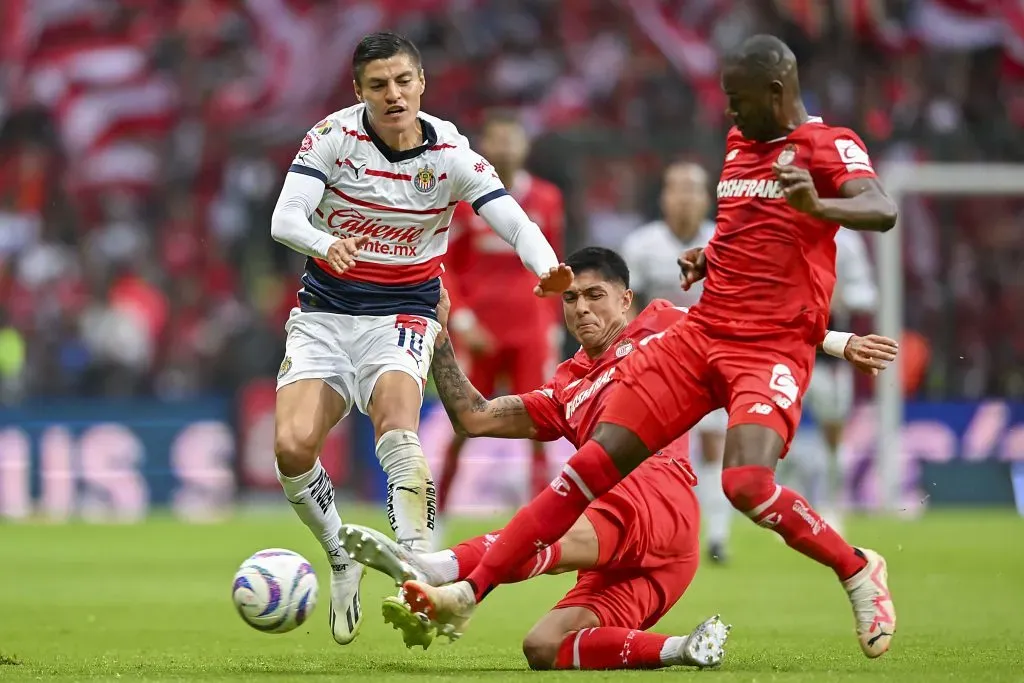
{"x": 750, "y": 188}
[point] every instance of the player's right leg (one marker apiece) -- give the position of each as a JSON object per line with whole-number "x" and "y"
{"x": 314, "y": 391}
{"x": 306, "y": 411}
{"x": 658, "y": 397}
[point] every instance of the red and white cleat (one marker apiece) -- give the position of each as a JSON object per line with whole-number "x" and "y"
{"x": 448, "y": 608}
{"x": 872, "y": 605}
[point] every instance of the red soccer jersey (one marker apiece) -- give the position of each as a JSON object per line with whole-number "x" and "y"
{"x": 570, "y": 405}
{"x": 485, "y": 274}
{"x": 771, "y": 268}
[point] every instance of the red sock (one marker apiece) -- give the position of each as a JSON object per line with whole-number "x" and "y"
{"x": 539, "y": 477}
{"x": 448, "y": 472}
{"x": 469, "y": 553}
{"x": 547, "y": 518}
{"x": 753, "y": 491}
{"x": 611, "y": 648}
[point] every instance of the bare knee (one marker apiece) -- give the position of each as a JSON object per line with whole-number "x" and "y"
{"x": 624, "y": 447}
{"x": 296, "y": 445}
{"x": 541, "y": 648}
{"x": 395, "y": 403}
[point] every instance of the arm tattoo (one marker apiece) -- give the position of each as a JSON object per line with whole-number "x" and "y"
{"x": 507, "y": 406}
{"x": 460, "y": 398}
{"x": 456, "y": 393}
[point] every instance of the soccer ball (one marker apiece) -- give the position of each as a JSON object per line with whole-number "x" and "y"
{"x": 275, "y": 590}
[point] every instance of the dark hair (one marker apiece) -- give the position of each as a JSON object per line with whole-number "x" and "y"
{"x": 382, "y": 45}
{"x": 609, "y": 264}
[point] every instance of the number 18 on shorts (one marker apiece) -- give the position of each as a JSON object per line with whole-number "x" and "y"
{"x": 350, "y": 352}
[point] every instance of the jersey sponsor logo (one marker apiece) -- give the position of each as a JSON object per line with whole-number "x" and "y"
{"x": 353, "y": 223}
{"x": 855, "y": 157}
{"x": 787, "y": 155}
{"x": 593, "y": 389}
{"x": 424, "y": 180}
{"x": 783, "y": 382}
{"x": 752, "y": 188}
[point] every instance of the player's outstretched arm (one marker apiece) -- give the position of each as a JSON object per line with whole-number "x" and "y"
{"x": 869, "y": 354}
{"x": 472, "y": 414}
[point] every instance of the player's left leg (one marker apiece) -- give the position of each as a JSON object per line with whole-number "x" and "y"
{"x": 392, "y": 366}
{"x": 577, "y": 550}
{"x": 601, "y": 624}
{"x": 764, "y": 410}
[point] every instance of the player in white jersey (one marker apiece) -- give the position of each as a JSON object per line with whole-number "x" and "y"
{"x": 368, "y": 198}
{"x": 651, "y": 252}
{"x": 829, "y": 396}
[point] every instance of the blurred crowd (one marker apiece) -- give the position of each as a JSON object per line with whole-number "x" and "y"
{"x": 143, "y": 143}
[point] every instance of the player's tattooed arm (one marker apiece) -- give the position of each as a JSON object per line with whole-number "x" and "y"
{"x": 470, "y": 413}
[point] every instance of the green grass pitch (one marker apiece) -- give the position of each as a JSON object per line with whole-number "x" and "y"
{"x": 152, "y": 602}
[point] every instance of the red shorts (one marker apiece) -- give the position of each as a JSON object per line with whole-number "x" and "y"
{"x": 525, "y": 367}
{"x": 664, "y": 388}
{"x": 648, "y": 531}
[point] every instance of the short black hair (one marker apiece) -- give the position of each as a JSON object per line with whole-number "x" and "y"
{"x": 382, "y": 45}
{"x": 608, "y": 263}
{"x": 764, "y": 56}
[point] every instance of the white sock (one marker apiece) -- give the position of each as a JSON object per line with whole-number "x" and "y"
{"x": 412, "y": 498}
{"x": 312, "y": 497}
{"x": 671, "y": 649}
{"x": 443, "y": 565}
{"x": 715, "y": 507}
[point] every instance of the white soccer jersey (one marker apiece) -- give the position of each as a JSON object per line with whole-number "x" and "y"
{"x": 651, "y": 252}
{"x": 403, "y": 201}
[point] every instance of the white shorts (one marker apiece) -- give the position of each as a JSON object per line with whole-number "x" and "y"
{"x": 350, "y": 352}
{"x": 829, "y": 396}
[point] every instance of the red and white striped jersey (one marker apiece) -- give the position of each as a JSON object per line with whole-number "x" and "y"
{"x": 402, "y": 200}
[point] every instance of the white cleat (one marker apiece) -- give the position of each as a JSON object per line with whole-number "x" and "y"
{"x": 346, "y": 612}
{"x": 872, "y": 605}
{"x": 705, "y": 647}
{"x": 379, "y": 551}
{"x": 447, "y": 608}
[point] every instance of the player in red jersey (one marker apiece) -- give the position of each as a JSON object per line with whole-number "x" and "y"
{"x": 482, "y": 275}
{"x": 788, "y": 182}
{"x": 637, "y": 546}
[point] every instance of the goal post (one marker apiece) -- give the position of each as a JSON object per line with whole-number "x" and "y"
{"x": 901, "y": 179}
